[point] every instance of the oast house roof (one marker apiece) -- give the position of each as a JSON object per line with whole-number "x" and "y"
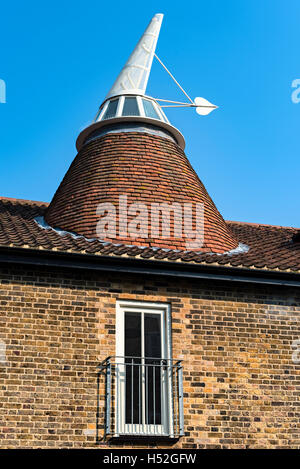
{"x": 148, "y": 169}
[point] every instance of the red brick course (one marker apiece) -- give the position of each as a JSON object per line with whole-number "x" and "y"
{"x": 149, "y": 169}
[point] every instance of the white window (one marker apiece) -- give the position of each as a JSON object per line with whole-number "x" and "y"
{"x": 143, "y": 404}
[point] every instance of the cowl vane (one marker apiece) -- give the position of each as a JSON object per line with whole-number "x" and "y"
{"x": 126, "y": 106}
{"x": 134, "y": 76}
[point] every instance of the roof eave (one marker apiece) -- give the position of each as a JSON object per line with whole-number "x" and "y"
{"x": 90, "y": 262}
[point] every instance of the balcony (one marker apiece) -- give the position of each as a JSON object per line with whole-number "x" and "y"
{"x": 143, "y": 397}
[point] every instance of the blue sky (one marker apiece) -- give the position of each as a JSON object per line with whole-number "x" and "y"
{"x": 59, "y": 60}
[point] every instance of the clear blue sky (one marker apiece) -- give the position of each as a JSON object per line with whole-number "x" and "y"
{"x": 59, "y": 59}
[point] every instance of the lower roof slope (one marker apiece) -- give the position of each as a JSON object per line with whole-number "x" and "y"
{"x": 149, "y": 170}
{"x": 270, "y": 247}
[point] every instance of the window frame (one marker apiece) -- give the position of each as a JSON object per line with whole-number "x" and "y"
{"x": 132, "y": 97}
{"x": 164, "y": 310}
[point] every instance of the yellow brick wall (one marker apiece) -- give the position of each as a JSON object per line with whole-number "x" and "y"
{"x": 241, "y": 384}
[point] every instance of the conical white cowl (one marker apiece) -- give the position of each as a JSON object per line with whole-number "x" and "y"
{"x": 134, "y": 76}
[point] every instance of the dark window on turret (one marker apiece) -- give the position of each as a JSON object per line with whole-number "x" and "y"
{"x": 150, "y": 110}
{"x": 130, "y": 107}
{"x": 111, "y": 109}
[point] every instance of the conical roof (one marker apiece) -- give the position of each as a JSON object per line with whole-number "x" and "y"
{"x": 131, "y": 182}
{"x": 136, "y": 168}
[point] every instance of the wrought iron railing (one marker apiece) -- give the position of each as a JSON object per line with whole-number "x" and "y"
{"x": 143, "y": 396}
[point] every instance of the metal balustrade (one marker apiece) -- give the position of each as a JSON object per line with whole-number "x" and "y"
{"x": 143, "y": 396}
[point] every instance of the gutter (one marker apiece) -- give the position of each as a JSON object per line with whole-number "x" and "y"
{"x": 89, "y": 262}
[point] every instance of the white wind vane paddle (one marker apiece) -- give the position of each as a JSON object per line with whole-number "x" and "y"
{"x": 202, "y": 105}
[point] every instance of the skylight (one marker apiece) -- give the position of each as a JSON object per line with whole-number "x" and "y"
{"x": 130, "y": 107}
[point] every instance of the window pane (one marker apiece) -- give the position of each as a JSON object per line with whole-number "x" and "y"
{"x": 132, "y": 334}
{"x": 133, "y": 410}
{"x": 152, "y": 335}
{"x": 150, "y": 110}
{"x": 153, "y": 370}
{"x": 130, "y": 107}
{"x": 111, "y": 109}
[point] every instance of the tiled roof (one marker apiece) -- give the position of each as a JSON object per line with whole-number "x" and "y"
{"x": 271, "y": 247}
{"x": 148, "y": 169}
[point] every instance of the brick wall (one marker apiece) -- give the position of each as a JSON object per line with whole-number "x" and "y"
{"x": 242, "y": 388}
